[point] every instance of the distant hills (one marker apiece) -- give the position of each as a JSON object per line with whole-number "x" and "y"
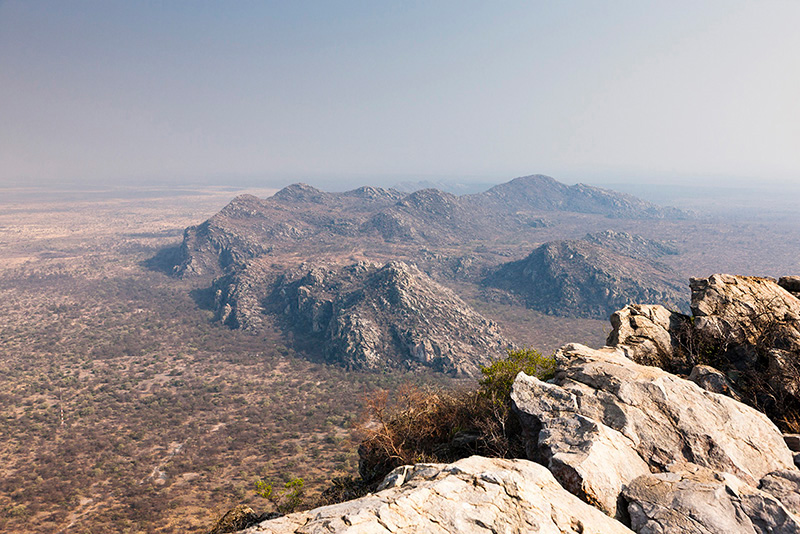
{"x": 357, "y": 277}
{"x": 250, "y": 227}
{"x": 593, "y": 276}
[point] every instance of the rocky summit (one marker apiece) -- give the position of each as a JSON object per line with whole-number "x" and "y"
{"x": 368, "y": 316}
{"x": 613, "y": 445}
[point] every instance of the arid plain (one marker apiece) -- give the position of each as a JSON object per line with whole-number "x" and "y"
{"x": 124, "y": 407}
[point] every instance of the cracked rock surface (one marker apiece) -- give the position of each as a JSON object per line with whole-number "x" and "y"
{"x": 697, "y": 500}
{"x": 602, "y": 409}
{"x": 473, "y": 495}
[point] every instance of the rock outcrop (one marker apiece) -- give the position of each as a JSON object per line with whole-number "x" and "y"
{"x": 473, "y": 495}
{"x": 602, "y": 409}
{"x": 616, "y": 444}
{"x": 746, "y": 327}
{"x": 368, "y": 316}
{"x": 583, "y": 279}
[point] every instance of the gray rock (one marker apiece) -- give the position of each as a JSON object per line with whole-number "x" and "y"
{"x": 713, "y": 380}
{"x": 784, "y": 485}
{"x": 645, "y": 332}
{"x": 655, "y": 415}
{"x": 473, "y": 495}
{"x": 792, "y": 441}
{"x": 697, "y": 500}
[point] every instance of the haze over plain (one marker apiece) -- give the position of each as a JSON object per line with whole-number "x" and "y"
{"x": 354, "y": 92}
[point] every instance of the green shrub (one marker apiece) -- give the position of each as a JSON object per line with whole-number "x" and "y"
{"x": 499, "y": 376}
{"x": 286, "y": 501}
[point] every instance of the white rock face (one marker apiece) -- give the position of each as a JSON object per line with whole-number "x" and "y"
{"x": 473, "y": 495}
{"x": 645, "y": 333}
{"x": 602, "y": 409}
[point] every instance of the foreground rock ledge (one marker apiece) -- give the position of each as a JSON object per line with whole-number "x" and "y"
{"x": 473, "y": 495}
{"x": 605, "y": 420}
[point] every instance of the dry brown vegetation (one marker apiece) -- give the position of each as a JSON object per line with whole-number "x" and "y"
{"x": 123, "y": 406}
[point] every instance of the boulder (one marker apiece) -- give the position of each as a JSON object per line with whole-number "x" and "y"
{"x": 590, "y": 460}
{"x": 712, "y": 380}
{"x": 609, "y": 403}
{"x": 746, "y": 310}
{"x": 473, "y": 495}
{"x": 696, "y": 500}
{"x": 784, "y": 485}
{"x": 647, "y": 334}
{"x": 746, "y": 327}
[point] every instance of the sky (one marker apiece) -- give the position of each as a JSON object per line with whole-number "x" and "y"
{"x": 614, "y": 91}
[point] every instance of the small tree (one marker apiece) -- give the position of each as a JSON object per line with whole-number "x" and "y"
{"x": 286, "y": 501}
{"x": 498, "y": 377}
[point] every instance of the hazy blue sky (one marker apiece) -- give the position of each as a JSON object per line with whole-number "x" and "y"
{"x": 583, "y": 91}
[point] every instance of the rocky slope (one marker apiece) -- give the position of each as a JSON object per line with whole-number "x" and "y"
{"x": 654, "y": 452}
{"x": 592, "y": 277}
{"x": 300, "y": 215}
{"x": 366, "y": 316}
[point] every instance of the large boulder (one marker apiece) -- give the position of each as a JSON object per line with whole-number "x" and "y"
{"x": 696, "y": 500}
{"x": 473, "y": 495}
{"x": 746, "y": 310}
{"x": 636, "y": 418}
{"x": 746, "y": 327}
{"x": 647, "y": 334}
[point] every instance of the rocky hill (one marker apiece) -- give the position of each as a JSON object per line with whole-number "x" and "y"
{"x": 592, "y": 277}
{"x": 635, "y": 246}
{"x": 612, "y": 445}
{"x": 539, "y": 192}
{"x": 300, "y": 216}
{"x": 367, "y": 316}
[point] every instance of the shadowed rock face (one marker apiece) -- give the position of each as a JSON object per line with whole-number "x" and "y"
{"x": 369, "y": 316}
{"x": 584, "y": 279}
